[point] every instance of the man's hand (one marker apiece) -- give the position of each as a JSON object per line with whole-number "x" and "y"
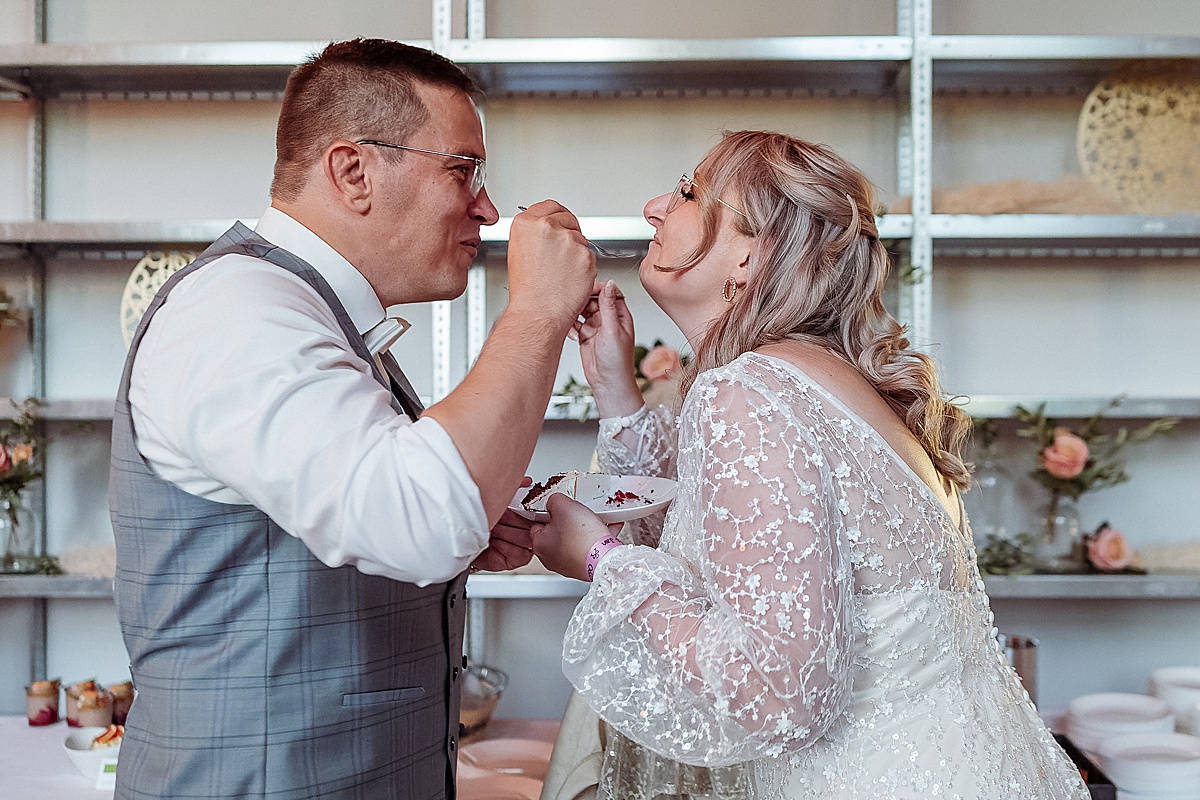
{"x": 550, "y": 268}
{"x": 510, "y": 546}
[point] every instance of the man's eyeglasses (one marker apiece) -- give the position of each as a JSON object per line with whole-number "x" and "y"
{"x": 686, "y": 190}
{"x": 475, "y": 182}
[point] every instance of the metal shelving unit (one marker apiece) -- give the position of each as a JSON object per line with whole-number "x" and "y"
{"x": 913, "y": 67}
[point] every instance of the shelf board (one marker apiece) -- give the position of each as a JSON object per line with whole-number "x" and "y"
{"x": 499, "y": 586}
{"x": 867, "y": 65}
{"x": 1066, "y": 235}
{"x": 570, "y": 407}
{"x": 79, "y": 409}
{"x": 50, "y": 70}
{"x": 479, "y": 586}
{"x": 55, "y": 586}
{"x": 1001, "y": 406}
{"x": 1094, "y": 587}
{"x": 496, "y": 586}
{"x": 1037, "y": 64}
{"x": 1002, "y": 234}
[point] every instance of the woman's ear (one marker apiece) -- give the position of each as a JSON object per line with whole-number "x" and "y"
{"x": 741, "y": 273}
{"x": 347, "y": 176}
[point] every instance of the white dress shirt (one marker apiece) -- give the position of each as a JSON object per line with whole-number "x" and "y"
{"x": 245, "y": 391}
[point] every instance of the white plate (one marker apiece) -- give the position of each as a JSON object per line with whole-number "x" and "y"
{"x": 1178, "y": 686}
{"x": 1153, "y": 763}
{"x": 1119, "y": 713}
{"x": 597, "y": 491}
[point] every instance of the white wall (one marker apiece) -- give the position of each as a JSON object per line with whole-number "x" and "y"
{"x": 1042, "y": 327}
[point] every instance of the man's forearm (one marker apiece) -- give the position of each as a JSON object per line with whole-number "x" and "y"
{"x": 495, "y": 415}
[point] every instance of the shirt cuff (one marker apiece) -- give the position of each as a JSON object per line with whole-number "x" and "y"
{"x": 611, "y": 426}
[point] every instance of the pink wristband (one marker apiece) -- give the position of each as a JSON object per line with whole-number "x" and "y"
{"x": 597, "y": 552}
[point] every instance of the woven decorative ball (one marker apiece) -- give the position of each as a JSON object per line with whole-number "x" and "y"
{"x": 1139, "y": 136}
{"x": 144, "y": 282}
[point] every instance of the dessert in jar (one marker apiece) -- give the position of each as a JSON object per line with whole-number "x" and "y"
{"x": 122, "y": 694}
{"x": 73, "y": 692}
{"x": 41, "y": 702}
{"x": 95, "y": 708}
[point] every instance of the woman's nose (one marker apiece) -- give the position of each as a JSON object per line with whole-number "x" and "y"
{"x": 656, "y": 210}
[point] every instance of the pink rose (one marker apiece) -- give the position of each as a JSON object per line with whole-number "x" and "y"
{"x": 661, "y": 363}
{"x": 1108, "y": 550}
{"x": 5, "y": 458}
{"x": 22, "y": 452}
{"x": 1067, "y": 456}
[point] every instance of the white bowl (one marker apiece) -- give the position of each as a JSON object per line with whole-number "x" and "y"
{"x": 1152, "y": 763}
{"x": 1178, "y": 686}
{"x": 79, "y": 749}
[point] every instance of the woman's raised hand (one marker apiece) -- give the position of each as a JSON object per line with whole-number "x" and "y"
{"x": 604, "y": 332}
{"x": 562, "y": 544}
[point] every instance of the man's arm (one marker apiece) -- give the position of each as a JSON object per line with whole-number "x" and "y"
{"x": 495, "y": 415}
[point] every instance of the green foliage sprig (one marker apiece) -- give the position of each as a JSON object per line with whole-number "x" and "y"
{"x": 1105, "y": 464}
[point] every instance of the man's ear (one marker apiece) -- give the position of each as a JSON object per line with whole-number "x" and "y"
{"x": 344, "y": 165}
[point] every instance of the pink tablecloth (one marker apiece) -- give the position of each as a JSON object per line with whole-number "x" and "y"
{"x": 34, "y": 765}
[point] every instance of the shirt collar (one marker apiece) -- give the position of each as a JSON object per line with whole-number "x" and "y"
{"x": 351, "y": 287}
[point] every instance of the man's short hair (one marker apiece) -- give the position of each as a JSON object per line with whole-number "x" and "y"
{"x": 358, "y": 89}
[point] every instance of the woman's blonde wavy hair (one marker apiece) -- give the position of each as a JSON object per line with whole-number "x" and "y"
{"x": 816, "y": 274}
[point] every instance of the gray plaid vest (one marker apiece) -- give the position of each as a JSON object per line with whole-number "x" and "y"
{"x": 261, "y": 672}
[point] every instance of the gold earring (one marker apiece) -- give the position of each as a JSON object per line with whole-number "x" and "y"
{"x": 729, "y": 290}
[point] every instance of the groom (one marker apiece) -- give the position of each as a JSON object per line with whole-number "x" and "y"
{"x": 293, "y": 529}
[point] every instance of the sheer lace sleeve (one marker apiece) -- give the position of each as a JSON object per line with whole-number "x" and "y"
{"x": 734, "y": 644}
{"x": 640, "y": 444}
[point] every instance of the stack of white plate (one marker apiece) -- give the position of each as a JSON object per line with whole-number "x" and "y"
{"x": 1095, "y": 717}
{"x": 1179, "y": 687}
{"x": 1153, "y": 766}
{"x": 1189, "y": 721}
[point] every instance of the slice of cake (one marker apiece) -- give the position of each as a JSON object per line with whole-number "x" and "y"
{"x": 559, "y": 483}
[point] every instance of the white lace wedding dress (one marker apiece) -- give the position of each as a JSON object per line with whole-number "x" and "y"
{"x": 811, "y": 625}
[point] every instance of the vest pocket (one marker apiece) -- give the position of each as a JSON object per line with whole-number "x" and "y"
{"x": 404, "y": 695}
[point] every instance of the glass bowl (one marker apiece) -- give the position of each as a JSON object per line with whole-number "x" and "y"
{"x": 482, "y": 687}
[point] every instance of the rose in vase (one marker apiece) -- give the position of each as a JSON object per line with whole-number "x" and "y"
{"x": 1073, "y": 462}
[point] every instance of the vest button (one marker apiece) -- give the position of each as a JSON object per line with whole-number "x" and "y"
{"x": 453, "y": 744}
{"x": 452, "y": 600}
{"x": 454, "y": 674}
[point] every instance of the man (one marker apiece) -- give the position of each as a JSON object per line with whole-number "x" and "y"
{"x": 293, "y": 530}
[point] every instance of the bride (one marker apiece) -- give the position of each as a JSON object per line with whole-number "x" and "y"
{"x": 812, "y": 623}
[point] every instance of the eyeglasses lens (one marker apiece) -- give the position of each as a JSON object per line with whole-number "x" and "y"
{"x": 677, "y": 195}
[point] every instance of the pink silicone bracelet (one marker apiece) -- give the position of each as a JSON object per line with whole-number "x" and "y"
{"x": 597, "y": 552}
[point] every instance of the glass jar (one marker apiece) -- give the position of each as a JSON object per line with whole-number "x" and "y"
{"x": 41, "y": 702}
{"x": 95, "y": 708}
{"x": 20, "y": 535}
{"x": 122, "y": 694}
{"x": 1060, "y": 546}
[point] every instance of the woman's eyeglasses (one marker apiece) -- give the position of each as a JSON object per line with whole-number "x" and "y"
{"x": 475, "y": 182}
{"x": 686, "y": 190}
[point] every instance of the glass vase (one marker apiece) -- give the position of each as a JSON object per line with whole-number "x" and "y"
{"x": 1060, "y": 547}
{"x": 992, "y": 502}
{"x": 19, "y": 533}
